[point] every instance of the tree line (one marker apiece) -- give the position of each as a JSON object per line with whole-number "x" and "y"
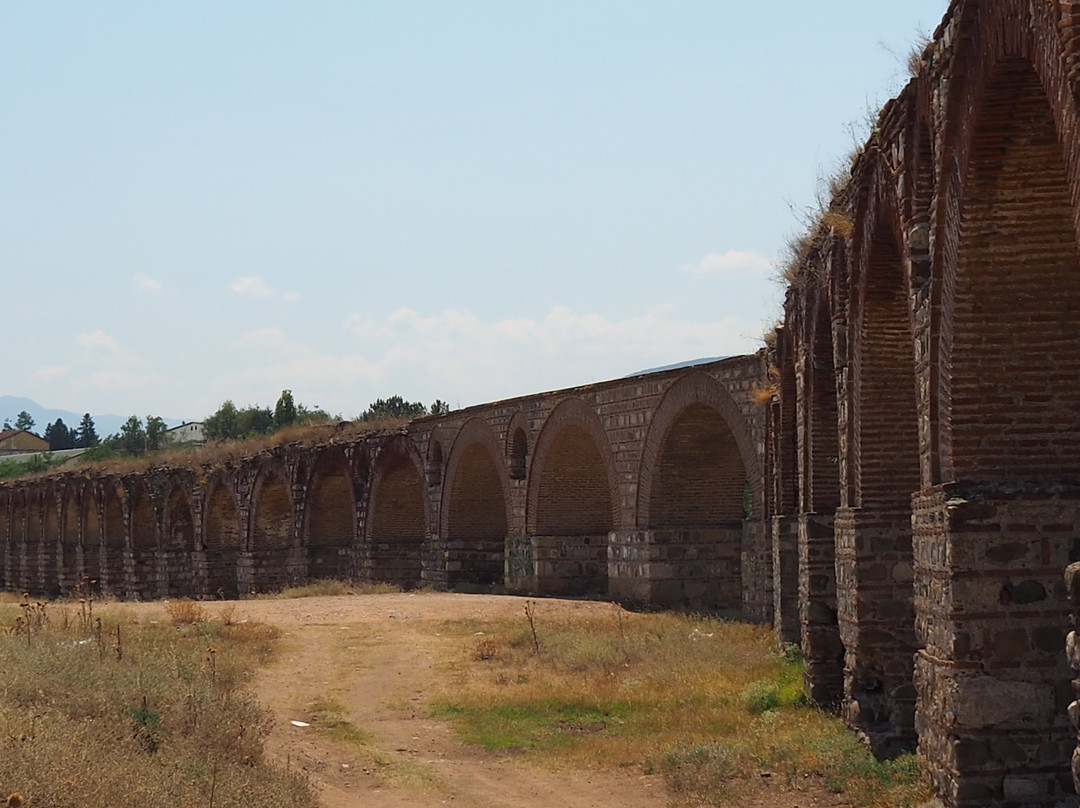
{"x": 58, "y": 434}
{"x": 138, "y": 437}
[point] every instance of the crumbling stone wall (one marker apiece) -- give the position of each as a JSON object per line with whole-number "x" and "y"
{"x": 946, "y": 276}
{"x": 647, "y": 489}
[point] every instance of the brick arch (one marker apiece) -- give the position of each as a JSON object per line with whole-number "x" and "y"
{"x": 822, "y": 439}
{"x": 572, "y": 502}
{"x": 475, "y": 508}
{"x": 114, "y": 535}
{"x": 697, "y": 402}
{"x": 1001, "y": 42}
{"x": 271, "y": 508}
{"x": 41, "y": 518}
{"x": 436, "y": 459}
{"x": 874, "y": 557}
{"x": 1010, "y": 396}
{"x": 92, "y": 537}
{"x": 329, "y": 530}
{"x": 517, "y": 446}
{"x": 397, "y": 524}
{"x": 571, "y": 425}
{"x": 70, "y": 572}
{"x": 885, "y": 444}
{"x": 222, "y": 536}
{"x": 178, "y": 540}
{"x": 144, "y": 527}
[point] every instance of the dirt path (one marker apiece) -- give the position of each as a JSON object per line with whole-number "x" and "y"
{"x": 376, "y": 658}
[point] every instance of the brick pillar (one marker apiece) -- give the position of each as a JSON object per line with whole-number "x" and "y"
{"x": 757, "y": 571}
{"x": 992, "y": 608}
{"x": 876, "y": 616}
{"x": 823, "y": 652}
{"x": 520, "y": 565}
{"x": 785, "y": 567}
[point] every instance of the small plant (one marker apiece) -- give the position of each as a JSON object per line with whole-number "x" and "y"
{"x": 486, "y": 649}
{"x": 146, "y": 723}
{"x": 185, "y": 612}
{"x": 530, "y": 615}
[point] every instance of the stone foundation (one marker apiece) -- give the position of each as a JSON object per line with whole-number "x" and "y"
{"x": 823, "y": 651}
{"x": 993, "y": 682}
{"x": 876, "y": 617}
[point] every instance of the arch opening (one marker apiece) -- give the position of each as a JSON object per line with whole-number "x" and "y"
{"x": 696, "y": 508}
{"x": 91, "y": 543}
{"x": 573, "y": 516}
{"x": 519, "y": 455}
{"x": 179, "y": 545}
{"x": 144, "y": 543}
{"x": 222, "y": 543}
{"x": 112, "y": 572}
{"x": 271, "y": 534}
{"x": 874, "y": 558}
{"x": 330, "y": 521}
{"x": 1010, "y": 425}
{"x": 476, "y": 521}
{"x": 398, "y": 528}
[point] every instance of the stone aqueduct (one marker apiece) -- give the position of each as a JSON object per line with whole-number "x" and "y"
{"x": 905, "y": 506}
{"x": 646, "y": 489}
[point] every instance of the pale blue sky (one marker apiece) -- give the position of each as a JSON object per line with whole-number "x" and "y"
{"x": 455, "y": 200}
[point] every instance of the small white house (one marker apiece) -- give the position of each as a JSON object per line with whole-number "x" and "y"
{"x": 186, "y": 433}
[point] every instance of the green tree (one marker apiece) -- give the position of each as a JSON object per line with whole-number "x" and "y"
{"x": 313, "y": 415}
{"x": 59, "y": 436}
{"x": 86, "y": 436}
{"x": 24, "y": 420}
{"x": 155, "y": 432}
{"x": 393, "y": 407}
{"x": 439, "y": 407}
{"x": 254, "y": 421}
{"x": 285, "y": 410}
{"x": 7, "y": 425}
{"x": 223, "y": 424}
{"x": 132, "y": 437}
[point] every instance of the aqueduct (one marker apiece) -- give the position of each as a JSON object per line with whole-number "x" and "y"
{"x": 898, "y": 492}
{"x": 647, "y": 489}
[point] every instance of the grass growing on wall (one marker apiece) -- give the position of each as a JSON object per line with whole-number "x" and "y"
{"x": 708, "y": 704}
{"x": 99, "y": 710}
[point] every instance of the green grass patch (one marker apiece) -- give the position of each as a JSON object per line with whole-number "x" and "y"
{"x": 328, "y": 717}
{"x": 546, "y": 725}
{"x": 709, "y": 703}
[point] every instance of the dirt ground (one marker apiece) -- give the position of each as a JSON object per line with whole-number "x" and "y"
{"x": 379, "y": 657}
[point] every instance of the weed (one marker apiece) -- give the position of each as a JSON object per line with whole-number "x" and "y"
{"x": 185, "y": 612}
{"x": 153, "y": 725}
{"x": 324, "y": 587}
{"x": 704, "y": 701}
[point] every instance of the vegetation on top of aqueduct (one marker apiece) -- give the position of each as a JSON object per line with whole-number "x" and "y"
{"x": 234, "y": 434}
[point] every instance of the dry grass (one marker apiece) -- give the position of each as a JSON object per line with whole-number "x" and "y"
{"x": 324, "y": 587}
{"x": 184, "y": 612}
{"x": 217, "y": 453}
{"x": 762, "y": 393}
{"x": 115, "y": 712}
{"x": 707, "y": 703}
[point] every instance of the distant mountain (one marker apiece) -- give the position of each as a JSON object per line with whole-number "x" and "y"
{"x": 11, "y": 406}
{"x": 688, "y": 363}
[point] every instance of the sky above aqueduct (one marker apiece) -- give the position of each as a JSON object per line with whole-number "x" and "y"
{"x": 457, "y": 200}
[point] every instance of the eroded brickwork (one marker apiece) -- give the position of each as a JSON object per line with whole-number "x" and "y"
{"x": 949, "y": 270}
